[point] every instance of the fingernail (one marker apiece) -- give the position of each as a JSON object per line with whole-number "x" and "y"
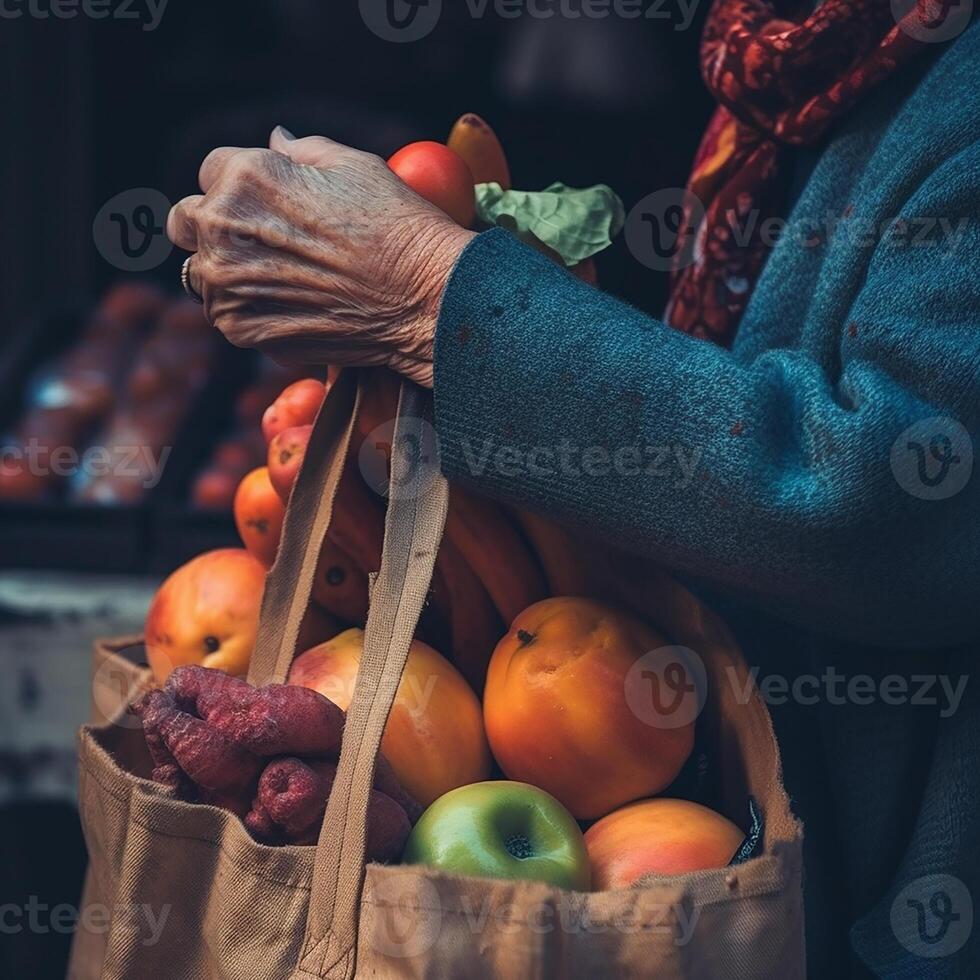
{"x": 284, "y": 133}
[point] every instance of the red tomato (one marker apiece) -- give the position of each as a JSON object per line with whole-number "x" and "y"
{"x": 440, "y": 175}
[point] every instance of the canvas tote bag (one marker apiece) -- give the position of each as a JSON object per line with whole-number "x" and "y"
{"x": 178, "y": 890}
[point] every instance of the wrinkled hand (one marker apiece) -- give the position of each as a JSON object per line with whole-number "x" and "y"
{"x": 317, "y": 253}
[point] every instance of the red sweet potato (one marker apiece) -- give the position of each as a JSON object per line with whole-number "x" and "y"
{"x": 292, "y": 798}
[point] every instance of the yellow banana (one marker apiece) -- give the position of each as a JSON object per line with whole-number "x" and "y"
{"x": 461, "y": 600}
{"x": 474, "y": 140}
{"x": 496, "y": 551}
{"x": 558, "y": 553}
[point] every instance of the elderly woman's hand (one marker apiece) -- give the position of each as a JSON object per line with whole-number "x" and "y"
{"x": 317, "y": 253}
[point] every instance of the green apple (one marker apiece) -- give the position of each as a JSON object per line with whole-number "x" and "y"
{"x": 502, "y": 829}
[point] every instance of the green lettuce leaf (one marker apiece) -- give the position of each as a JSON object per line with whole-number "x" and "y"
{"x": 575, "y": 223}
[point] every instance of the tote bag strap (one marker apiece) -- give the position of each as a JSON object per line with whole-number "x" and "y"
{"x": 289, "y": 583}
{"x": 417, "y": 506}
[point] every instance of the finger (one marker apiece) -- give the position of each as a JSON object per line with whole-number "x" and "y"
{"x": 182, "y": 222}
{"x": 314, "y": 151}
{"x": 213, "y": 165}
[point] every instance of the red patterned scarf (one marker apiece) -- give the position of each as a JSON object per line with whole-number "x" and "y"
{"x": 779, "y": 84}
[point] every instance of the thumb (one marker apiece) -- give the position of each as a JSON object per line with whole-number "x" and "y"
{"x": 313, "y": 151}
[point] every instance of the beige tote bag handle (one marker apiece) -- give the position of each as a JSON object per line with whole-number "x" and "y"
{"x": 417, "y": 504}
{"x": 289, "y": 583}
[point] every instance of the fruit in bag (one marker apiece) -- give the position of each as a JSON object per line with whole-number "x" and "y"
{"x": 434, "y": 738}
{"x": 207, "y": 613}
{"x": 659, "y": 837}
{"x": 570, "y": 707}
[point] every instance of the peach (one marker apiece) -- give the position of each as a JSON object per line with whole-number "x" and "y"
{"x": 557, "y": 713}
{"x": 259, "y": 515}
{"x": 434, "y": 739}
{"x": 662, "y": 837}
{"x": 296, "y": 405}
{"x": 206, "y": 612}
{"x": 357, "y": 524}
{"x": 340, "y": 586}
{"x": 286, "y": 452}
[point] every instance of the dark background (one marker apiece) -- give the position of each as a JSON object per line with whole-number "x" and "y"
{"x": 92, "y": 108}
{"x": 96, "y": 107}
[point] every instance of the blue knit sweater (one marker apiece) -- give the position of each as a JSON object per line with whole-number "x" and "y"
{"x": 818, "y": 474}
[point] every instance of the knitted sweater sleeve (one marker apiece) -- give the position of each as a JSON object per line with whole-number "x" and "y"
{"x": 842, "y": 497}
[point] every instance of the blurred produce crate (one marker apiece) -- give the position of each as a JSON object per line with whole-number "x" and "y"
{"x": 102, "y": 413}
{"x": 195, "y": 515}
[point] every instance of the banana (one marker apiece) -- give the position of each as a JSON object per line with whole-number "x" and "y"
{"x": 496, "y": 551}
{"x": 461, "y": 601}
{"x": 564, "y": 567}
{"x": 358, "y": 522}
{"x": 477, "y": 144}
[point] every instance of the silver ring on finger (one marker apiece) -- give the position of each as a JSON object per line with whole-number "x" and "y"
{"x": 185, "y": 281}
